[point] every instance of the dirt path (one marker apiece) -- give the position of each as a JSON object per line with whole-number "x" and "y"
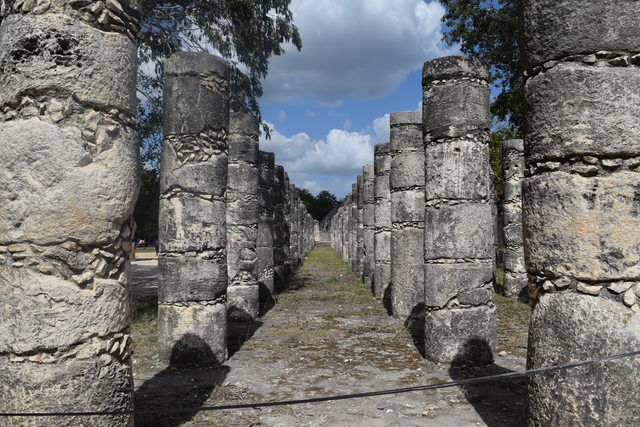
{"x": 325, "y": 335}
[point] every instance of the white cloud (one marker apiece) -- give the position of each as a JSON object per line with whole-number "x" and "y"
{"x": 282, "y": 115}
{"x": 361, "y": 48}
{"x": 331, "y": 163}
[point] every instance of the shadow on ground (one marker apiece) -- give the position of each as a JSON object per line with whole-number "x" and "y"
{"x": 178, "y": 387}
{"x": 238, "y": 333}
{"x": 414, "y": 323}
{"x": 499, "y": 403}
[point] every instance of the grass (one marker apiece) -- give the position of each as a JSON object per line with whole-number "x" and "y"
{"x": 144, "y": 333}
{"x": 513, "y": 325}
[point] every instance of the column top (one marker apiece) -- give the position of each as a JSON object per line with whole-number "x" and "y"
{"x": 454, "y": 67}
{"x": 195, "y": 62}
{"x": 381, "y": 149}
{"x": 405, "y": 118}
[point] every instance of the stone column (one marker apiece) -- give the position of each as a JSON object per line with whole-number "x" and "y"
{"x": 353, "y": 228}
{"x": 266, "y": 163}
{"x": 242, "y": 218}
{"x": 345, "y": 228}
{"x": 294, "y": 250}
{"x": 515, "y": 274}
{"x": 286, "y": 232}
{"x": 382, "y": 212}
{"x": 192, "y": 263}
{"x": 278, "y": 227}
{"x": 406, "y": 178}
{"x": 581, "y": 211}
{"x": 68, "y": 185}
{"x": 368, "y": 220}
{"x": 460, "y": 322}
{"x": 360, "y": 226}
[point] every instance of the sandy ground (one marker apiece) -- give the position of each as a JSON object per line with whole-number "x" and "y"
{"x": 325, "y": 336}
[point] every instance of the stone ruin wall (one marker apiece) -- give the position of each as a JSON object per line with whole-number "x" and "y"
{"x": 580, "y": 207}
{"x": 68, "y": 179}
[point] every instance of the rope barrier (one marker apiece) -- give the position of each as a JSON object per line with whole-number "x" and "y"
{"x": 464, "y": 382}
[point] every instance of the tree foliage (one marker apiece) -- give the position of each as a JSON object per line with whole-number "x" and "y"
{"x": 495, "y": 158}
{"x": 318, "y": 206}
{"x": 148, "y": 206}
{"x": 488, "y": 29}
{"x": 244, "y": 32}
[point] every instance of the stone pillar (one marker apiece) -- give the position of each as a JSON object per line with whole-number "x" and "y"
{"x": 353, "y": 228}
{"x": 360, "y": 226}
{"x": 278, "y": 227}
{"x": 406, "y": 178}
{"x": 286, "y": 232}
{"x": 192, "y": 262}
{"x": 382, "y": 238}
{"x": 242, "y": 218}
{"x": 460, "y": 322}
{"x": 581, "y": 211}
{"x": 294, "y": 250}
{"x": 68, "y": 185}
{"x": 515, "y": 274}
{"x": 266, "y": 162}
{"x": 345, "y": 227}
{"x": 368, "y": 220}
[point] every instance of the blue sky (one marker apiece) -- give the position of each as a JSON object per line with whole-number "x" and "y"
{"x": 329, "y": 104}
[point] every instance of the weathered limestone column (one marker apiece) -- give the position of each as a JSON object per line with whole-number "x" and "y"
{"x": 278, "y": 227}
{"x": 368, "y": 220}
{"x": 345, "y": 228}
{"x": 460, "y": 321}
{"x": 68, "y": 184}
{"x": 242, "y": 218}
{"x": 266, "y": 163}
{"x": 406, "y": 178}
{"x": 192, "y": 262}
{"x": 353, "y": 228}
{"x": 382, "y": 239}
{"x": 286, "y": 232}
{"x": 581, "y": 208}
{"x": 294, "y": 228}
{"x": 360, "y": 226}
{"x": 515, "y": 274}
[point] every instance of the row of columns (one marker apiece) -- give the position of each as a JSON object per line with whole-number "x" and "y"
{"x": 569, "y": 211}
{"x": 433, "y": 208}
{"x": 69, "y": 178}
{"x": 227, "y": 215}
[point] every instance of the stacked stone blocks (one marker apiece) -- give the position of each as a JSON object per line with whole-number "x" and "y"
{"x": 382, "y": 226}
{"x": 406, "y": 180}
{"x": 242, "y": 218}
{"x": 460, "y": 322}
{"x": 192, "y": 262}
{"x": 580, "y": 207}
{"x": 68, "y": 173}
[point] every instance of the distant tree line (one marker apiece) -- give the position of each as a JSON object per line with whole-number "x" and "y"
{"x": 318, "y": 206}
